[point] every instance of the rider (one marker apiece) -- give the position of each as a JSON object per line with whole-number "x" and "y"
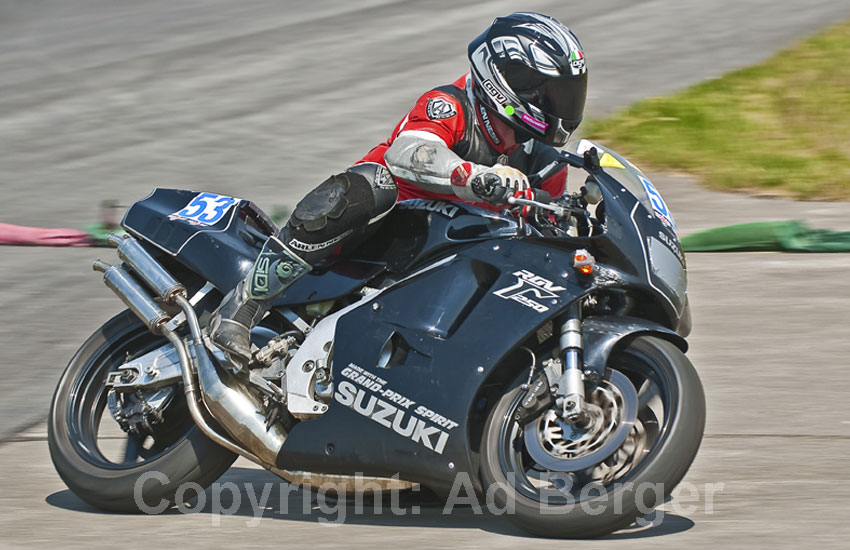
{"x": 473, "y": 140}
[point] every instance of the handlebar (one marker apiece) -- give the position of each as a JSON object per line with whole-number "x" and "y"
{"x": 571, "y": 209}
{"x": 559, "y": 211}
{"x": 542, "y": 196}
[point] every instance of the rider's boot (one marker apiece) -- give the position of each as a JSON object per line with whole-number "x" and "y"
{"x": 276, "y": 268}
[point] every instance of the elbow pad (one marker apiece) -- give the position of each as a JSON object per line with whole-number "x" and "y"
{"x": 426, "y": 161}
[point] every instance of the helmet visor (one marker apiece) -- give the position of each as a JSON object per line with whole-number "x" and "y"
{"x": 562, "y": 96}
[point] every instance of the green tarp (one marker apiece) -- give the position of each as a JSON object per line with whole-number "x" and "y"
{"x": 767, "y": 236}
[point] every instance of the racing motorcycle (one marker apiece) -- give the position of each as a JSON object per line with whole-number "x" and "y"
{"x": 539, "y": 351}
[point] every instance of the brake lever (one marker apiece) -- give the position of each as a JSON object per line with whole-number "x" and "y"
{"x": 558, "y": 210}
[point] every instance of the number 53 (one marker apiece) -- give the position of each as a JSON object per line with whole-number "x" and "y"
{"x": 206, "y": 208}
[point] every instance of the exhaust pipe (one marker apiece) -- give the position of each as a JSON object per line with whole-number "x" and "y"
{"x": 230, "y": 402}
{"x": 193, "y": 398}
{"x": 151, "y": 271}
{"x": 227, "y": 399}
{"x": 237, "y": 409}
{"x": 133, "y": 295}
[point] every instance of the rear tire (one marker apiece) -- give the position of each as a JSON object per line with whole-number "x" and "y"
{"x": 180, "y": 451}
{"x": 665, "y": 461}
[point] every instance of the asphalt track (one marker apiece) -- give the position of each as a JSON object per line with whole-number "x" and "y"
{"x": 107, "y": 99}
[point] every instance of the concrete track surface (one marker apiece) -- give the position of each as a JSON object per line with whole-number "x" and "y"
{"x": 107, "y": 99}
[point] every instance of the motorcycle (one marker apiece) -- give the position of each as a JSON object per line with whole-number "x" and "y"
{"x": 539, "y": 351}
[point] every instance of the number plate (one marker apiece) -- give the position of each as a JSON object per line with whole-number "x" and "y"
{"x": 205, "y": 209}
{"x": 658, "y": 204}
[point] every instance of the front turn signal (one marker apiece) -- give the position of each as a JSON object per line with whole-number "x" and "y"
{"x": 584, "y": 262}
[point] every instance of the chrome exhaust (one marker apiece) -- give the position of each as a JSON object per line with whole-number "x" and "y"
{"x": 229, "y": 401}
{"x": 133, "y": 295}
{"x": 190, "y": 388}
{"x": 150, "y": 271}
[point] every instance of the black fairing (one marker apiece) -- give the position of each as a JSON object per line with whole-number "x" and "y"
{"x": 449, "y": 322}
{"x": 640, "y": 253}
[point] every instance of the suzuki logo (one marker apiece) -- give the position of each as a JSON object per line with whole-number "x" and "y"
{"x": 391, "y": 416}
{"x": 440, "y": 207}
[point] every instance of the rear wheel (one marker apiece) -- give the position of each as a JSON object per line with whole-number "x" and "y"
{"x": 571, "y": 482}
{"x": 102, "y": 461}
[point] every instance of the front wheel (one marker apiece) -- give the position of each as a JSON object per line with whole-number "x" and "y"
{"x": 580, "y": 487}
{"x": 102, "y": 462}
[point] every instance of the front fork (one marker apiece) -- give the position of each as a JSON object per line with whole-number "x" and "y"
{"x": 569, "y": 396}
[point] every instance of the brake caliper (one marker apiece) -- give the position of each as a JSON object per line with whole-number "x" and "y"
{"x": 138, "y": 412}
{"x": 536, "y": 398}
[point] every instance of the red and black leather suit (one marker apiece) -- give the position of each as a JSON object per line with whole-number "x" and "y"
{"x": 342, "y": 207}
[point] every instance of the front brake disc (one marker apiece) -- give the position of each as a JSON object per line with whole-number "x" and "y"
{"x": 562, "y": 447}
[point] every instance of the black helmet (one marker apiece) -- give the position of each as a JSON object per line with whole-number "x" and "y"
{"x": 530, "y": 70}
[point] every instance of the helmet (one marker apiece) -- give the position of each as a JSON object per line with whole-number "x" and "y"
{"x": 530, "y": 70}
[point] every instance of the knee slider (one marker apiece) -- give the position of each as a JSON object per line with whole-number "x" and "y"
{"x": 327, "y": 201}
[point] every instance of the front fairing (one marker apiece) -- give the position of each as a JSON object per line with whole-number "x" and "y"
{"x": 638, "y": 226}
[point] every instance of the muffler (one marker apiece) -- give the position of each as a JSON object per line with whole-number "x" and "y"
{"x": 147, "y": 268}
{"x": 133, "y": 295}
{"x": 227, "y": 399}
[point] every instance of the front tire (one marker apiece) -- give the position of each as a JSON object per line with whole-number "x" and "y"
{"x": 610, "y": 495}
{"x": 177, "y": 450}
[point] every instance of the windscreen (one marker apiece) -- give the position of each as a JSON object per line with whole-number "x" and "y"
{"x": 628, "y": 175}
{"x": 659, "y": 237}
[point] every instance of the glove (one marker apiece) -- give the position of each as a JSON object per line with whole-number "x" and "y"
{"x": 496, "y": 183}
